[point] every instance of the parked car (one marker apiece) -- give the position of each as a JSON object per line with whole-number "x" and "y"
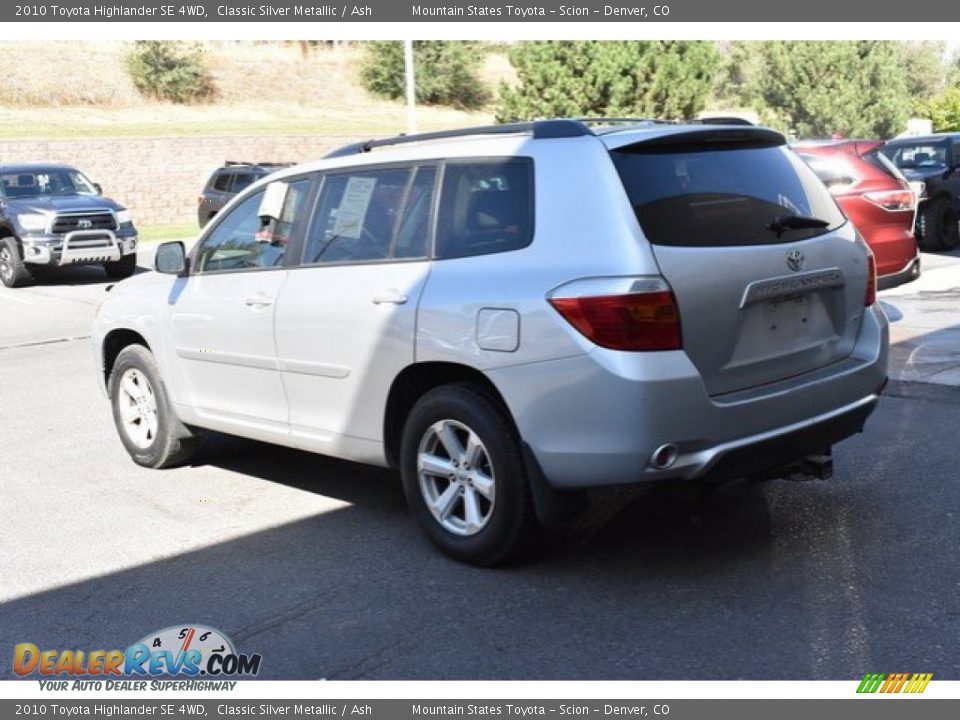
{"x": 932, "y": 163}
{"x": 226, "y": 181}
{"x": 510, "y": 314}
{"x": 52, "y": 216}
{"x": 876, "y": 197}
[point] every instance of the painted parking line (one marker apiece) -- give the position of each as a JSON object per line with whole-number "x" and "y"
{"x": 16, "y": 299}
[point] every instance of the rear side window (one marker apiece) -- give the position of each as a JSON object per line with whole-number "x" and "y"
{"x": 698, "y": 195}
{"x": 223, "y": 182}
{"x": 485, "y": 208}
{"x": 242, "y": 181}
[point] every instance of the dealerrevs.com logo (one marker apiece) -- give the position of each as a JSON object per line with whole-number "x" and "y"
{"x": 887, "y": 683}
{"x": 186, "y": 650}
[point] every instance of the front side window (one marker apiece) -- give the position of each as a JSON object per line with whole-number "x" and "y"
{"x": 485, "y": 208}
{"x": 243, "y": 240}
{"x": 370, "y": 215}
{"x": 917, "y": 156}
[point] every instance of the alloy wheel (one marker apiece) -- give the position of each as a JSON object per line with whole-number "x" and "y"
{"x": 456, "y": 476}
{"x": 6, "y": 263}
{"x": 137, "y": 404}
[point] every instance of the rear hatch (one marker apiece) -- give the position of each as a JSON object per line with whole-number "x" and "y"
{"x": 765, "y": 269}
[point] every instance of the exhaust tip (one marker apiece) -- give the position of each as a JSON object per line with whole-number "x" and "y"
{"x": 664, "y": 456}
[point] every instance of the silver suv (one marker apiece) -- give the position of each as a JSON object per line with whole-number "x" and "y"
{"x": 512, "y": 313}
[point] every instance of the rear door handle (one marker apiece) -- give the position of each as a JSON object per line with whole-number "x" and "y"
{"x": 258, "y": 301}
{"x": 391, "y": 296}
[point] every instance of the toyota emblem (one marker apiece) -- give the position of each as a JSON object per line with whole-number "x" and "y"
{"x": 84, "y": 224}
{"x": 795, "y": 260}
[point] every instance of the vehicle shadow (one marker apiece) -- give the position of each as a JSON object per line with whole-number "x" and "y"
{"x": 77, "y": 275}
{"x": 355, "y": 592}
{"x": 660, "y": 521}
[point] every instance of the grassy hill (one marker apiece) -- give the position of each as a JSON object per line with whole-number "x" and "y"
{"x": 81, "y": 89}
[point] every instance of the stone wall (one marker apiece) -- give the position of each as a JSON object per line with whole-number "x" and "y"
{"x": 159, "y": 179}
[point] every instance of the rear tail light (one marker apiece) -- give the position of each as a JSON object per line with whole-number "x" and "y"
{"x": 871, "y": 296}
{"x": 638, "y": 314}
{"x": 893, "y": 199}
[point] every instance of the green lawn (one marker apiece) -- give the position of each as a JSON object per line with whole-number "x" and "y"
{"x": 370, "y": 117}
{"x": 169, "y": 231}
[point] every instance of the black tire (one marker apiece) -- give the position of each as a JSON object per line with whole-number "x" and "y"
{"x": 510, "y": 520}
{"x": 172, "y": 443}
{"x": 13, "y": 271}
{"x": 938, "y": 226}
{"x": 122, "y": 268}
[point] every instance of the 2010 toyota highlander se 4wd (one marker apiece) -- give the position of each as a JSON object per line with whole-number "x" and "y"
{"x": 507, "y": 313}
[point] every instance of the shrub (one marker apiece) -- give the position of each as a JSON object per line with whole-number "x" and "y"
{"x": 445, "y": 71}
{"x": 662, "y": 79}
{"x": 944, "y": 111}
{"x": 168, "y": 70}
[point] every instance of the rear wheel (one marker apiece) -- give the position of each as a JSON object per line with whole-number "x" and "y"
{"x": 122, "y": 268}
{"x": 13, "y": 271}
{"x": 464, "y": 477}
{"x": 149, "y": 430}
{"x": 938, "y": 226}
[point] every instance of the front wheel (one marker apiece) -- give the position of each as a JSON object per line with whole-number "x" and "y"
{"x": 122, "y": 268}
{"x": 464, "y": 477}
{"x": 13, "y": 271}
{"x": 939, "y": 229}
{"x": 149, "y": 430}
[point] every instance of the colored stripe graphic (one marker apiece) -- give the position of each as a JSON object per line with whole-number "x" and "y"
{"x": 894, "y": 683}
{"x": 871, "y": 682}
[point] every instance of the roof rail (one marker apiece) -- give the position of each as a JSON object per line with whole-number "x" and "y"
{"x": 539, "y": 129}
{"x": 622, "y": 121}
{"x": 256, "y": 164}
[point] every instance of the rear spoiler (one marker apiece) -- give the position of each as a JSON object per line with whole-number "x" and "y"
{"x": 706, "y": 138}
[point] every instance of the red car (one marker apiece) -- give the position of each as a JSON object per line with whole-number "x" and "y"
{"x": 876, "y": 197}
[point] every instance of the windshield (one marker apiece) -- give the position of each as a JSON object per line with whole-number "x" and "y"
{"x": 715, "y": 197}
{"x": 46, "y": 182}
{"x": 918, "y": 155}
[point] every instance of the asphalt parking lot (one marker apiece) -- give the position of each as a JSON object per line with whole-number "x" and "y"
{"x": 315, "y": 564}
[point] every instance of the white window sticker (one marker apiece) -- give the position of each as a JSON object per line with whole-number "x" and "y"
{"x": 353, "y": 207}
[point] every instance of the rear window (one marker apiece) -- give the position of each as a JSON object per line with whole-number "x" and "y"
{"x": 699, "y": 195}
{"x": 879, "y": 161}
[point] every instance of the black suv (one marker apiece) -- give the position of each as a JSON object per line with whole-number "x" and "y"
{"x": 52, "y": 216}
{"x": 226, "y": 181}
{"x": 932, "y": 165}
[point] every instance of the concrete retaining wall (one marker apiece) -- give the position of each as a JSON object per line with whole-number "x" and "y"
{"x": 160, "y": 178}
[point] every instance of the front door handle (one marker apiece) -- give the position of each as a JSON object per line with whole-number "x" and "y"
{"x": 391, "y": 297}
{"x": 258, "y": 301}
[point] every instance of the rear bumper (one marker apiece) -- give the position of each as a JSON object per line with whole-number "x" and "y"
{"x": 760, "y": 454}
{"x": 597, "y": 419}
{"x": 909, "y": 273}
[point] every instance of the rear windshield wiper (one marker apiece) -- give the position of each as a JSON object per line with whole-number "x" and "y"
{"x": 782, "y": 223}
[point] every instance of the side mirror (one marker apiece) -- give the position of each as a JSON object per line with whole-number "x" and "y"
{"x": 98, "y": 188}
{"x": 171, "y": 259}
